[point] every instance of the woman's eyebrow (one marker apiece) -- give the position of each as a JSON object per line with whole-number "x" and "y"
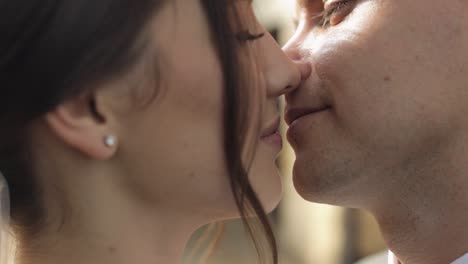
{"x": 302, "y": 3}
{"x": 314, "y": 6}
{"x": 305, "y": 4}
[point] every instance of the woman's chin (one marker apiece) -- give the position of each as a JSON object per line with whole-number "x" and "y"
{"x": 272, "y": 203}
{"x": 269, "y": 189}
{"x": 269, "y": 208}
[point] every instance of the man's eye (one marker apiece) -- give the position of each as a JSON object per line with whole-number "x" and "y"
{"x": 335, "y": 12}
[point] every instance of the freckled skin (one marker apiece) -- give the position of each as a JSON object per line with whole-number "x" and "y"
{"x": 397, "y": 88}
{"x": 395, "y": 141}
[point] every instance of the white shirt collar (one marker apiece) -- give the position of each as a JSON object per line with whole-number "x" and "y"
{"x": 462, "y": 260}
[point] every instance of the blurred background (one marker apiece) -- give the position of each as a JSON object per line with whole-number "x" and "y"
{"x": 306, "y": 232}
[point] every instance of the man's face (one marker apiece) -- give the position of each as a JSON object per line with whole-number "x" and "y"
{"x": 389, "y": 92}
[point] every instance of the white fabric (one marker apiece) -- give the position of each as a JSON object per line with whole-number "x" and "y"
{"x": 462, "y": 260}
{"x": 391, "y": 258}
{"x": 379, "y": 258}
{"x": 6, "y": 241}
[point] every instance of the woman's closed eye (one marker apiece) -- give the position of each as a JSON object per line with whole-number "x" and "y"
{"x": 334, "y": 12}
{"x": 245, "y": 35}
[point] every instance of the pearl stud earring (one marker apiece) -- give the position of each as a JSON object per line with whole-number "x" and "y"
{"x": 110, "y": 141}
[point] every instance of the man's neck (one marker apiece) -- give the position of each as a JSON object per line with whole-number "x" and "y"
{"x": 423, "y": 211}
{"x": 420, "y": 244}
{"x": 426, "y": 225}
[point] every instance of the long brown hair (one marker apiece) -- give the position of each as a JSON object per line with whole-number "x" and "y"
{"x": 52, "y": 50}
{"x": 235, "y": 122}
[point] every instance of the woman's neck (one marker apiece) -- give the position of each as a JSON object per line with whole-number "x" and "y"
{"x": 124, "y": 240}
{"x": 101, "y": 225}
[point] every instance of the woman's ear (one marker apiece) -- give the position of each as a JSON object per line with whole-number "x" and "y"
{"x": 85, "y": 124}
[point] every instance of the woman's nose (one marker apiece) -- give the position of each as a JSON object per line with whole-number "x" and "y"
{"x": 282, "y": 74}
{"x": 291, "y": 49}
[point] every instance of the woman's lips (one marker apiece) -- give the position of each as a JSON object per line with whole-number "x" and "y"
{"x": 274, "y": 139}
{"x": 271, "y": 135}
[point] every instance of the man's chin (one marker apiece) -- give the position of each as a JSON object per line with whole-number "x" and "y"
{"x": 314, "y": 185}
{"x": 304, "y": 184}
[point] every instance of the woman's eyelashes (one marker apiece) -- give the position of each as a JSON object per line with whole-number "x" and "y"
{"x": 245, "y": 36}
{"x": 334, "y": 12}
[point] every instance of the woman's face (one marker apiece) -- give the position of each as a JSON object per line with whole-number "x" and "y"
{"x": 388, "y": 87}
{"x": 173, "y": 149}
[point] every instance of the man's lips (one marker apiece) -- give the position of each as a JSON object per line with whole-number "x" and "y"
{"x": 293, "y": 114}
